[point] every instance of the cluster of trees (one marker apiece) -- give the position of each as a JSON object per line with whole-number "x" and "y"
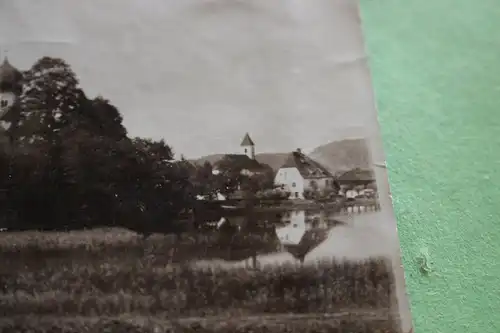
{"x": 231, "y": 178}
{"x": 70, "y": 163}
{"x": 326, "y": 194}
{"x": 323, "y": 195}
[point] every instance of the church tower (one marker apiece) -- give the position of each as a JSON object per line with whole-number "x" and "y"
{"x": 10, "y": 90}
{"x": 248, "y": 147}
{"x": 10, "y": 87}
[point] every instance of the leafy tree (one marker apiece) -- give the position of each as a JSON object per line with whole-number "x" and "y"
{"x": 49, "y": 98}
{"x": 131, "y": 183}
{"x": 260, "y": 181}
{"x": 97, "y": 168}
{"x": 328, "y": 193}
{"x": 309, "y": 194}
{"x": 266, "y": 179}
{"x": 186, "y": 192}
{"x": 232, "y": 176}
{"x": 17, "y": 179}
{"x": 74, "y": 165}
{"x": 203, "y": 180}
{"x": 109, "y": 118}
{"x": 100, "y": 117}
{"x": 229, "y": 176}
{"x": 10, "y": 125}
{"x": 275, "y": 195}
{"x": 161, "y": 188}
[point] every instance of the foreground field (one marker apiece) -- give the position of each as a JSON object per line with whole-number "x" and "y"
{"x": 283, "y": 324}
{"x": 109, "y": 281}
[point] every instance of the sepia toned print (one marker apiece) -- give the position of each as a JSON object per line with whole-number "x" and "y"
{"x": 215, "y": 168}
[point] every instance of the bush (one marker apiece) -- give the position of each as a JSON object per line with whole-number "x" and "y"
{"x": 104, "y": 276}
{"x": 227, "y": 325}
{"x": 324, "y": 195}
{"x": 309, "y": 194}
{"x": 112, "y": 289}
{"x": 276, "y": 195}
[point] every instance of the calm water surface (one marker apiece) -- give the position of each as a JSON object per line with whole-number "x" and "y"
{"x": 307, "y": 237}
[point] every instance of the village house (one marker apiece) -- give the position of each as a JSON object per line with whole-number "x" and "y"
{"x": 357, "y": 182}
{"x": 300, "y": 173}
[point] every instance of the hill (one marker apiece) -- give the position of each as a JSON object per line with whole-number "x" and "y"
{"x": 337, "y": 156}
{"x": 274, "y": 160}
{"x": 343, "y": 155}
{"x": 209, "y": 158}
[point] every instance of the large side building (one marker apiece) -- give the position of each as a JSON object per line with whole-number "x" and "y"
{"x": 300, "y": 173}
{"x": 10, "y": 90}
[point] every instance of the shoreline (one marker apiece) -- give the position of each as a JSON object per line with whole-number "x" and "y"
{"x": 313, "y": 206}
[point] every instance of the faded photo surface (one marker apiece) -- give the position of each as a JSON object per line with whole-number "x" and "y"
{"x": 193, "y": 166}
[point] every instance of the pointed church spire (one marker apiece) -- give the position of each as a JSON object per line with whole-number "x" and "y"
{"x": 10, "y": 76}
{"x": 248, "y": 147}
{"x": 5, "y": 54}
{"x": 247, "y": 141}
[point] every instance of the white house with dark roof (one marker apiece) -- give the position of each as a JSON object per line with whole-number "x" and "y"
{"x": 300, "y": 173}
{"x": 357, "y": 182}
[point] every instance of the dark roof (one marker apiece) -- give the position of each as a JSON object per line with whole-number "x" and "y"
{"x": 247, "y": 141}
{"x": 356, "y": 175}
{"x": 309, "y": 241}
{"x": 307, "y": 167}
{"x": 242, "y": 162}
{"x": 9, "y": 75}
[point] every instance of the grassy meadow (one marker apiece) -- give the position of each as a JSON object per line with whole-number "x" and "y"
{"x": 113, "y": 281}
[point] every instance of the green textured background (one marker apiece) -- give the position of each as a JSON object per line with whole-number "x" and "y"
{"x": 436, "y": 71}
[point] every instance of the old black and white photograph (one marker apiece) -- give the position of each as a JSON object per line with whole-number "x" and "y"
{"x": 193, "y": 166}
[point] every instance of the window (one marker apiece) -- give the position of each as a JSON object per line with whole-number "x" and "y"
{"x": 293, "y": 184}
{"x": 4, "y": 103}
{"x": 246, "y": 150}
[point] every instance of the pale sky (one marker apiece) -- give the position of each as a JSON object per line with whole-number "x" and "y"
{"x": 201, "y": 73}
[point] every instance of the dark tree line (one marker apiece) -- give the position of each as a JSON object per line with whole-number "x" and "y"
{"x": 70, "y": 164}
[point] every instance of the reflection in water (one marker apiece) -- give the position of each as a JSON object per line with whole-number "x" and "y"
{"x": 287, "y": 236}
